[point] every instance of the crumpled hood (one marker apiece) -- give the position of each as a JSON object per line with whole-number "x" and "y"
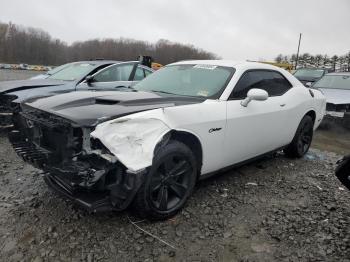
{"x": 16, "y": 85}
{"x": 336, "y": 96}
{"x": 88, "y": 108}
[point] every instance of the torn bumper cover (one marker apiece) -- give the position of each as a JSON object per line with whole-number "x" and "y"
{"x": 97, "y": 176}
{"x": 117, "y": 198}
{"x": 132, "y": 141}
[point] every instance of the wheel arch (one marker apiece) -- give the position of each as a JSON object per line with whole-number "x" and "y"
{"x": 190, "y": 140}
{"x": 312, "y": 114}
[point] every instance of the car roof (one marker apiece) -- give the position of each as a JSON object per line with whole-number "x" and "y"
{"x": 339, "y": 74}
{"x": 99, "y": 62}
{"x": 228, "y": 63}
{"x": 314, "y": 68}
{"x": 102, "y": 62}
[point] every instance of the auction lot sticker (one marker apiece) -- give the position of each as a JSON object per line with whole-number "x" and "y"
{"x": 210, "y": 67}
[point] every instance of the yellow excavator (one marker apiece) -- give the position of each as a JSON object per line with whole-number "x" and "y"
{"x": 148, "y": 61}
{"x": 286, "y": 66}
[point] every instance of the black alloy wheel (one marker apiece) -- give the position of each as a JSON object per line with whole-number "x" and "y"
{"x": 168, "y": 184}
{"x": 305, "y": 137}
{"x": 302, "y": 138}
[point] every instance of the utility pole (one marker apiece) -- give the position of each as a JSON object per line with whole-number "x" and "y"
{"x": 296, "y": 60}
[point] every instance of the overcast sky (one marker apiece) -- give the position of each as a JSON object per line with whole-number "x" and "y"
{"x": 246, "y": 29}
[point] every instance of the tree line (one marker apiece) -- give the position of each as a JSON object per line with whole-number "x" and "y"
{"x": 335, "y": 62}
{"x": 29, "y": 45}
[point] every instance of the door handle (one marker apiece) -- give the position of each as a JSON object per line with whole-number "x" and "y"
{"x": 282, "y": 105}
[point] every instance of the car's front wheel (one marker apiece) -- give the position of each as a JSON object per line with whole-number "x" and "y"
{"x": 168, "y": 184}
{"x": 302, "y": 138}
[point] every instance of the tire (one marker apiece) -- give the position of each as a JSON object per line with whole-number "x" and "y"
{"x": 302, "y": 139}
{"x": 168, "y": 184}
{"x": 343, "y": 171}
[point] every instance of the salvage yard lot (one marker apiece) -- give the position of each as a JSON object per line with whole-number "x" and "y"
{"x": 276, "y": 209}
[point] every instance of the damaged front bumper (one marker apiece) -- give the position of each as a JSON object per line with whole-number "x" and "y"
{"x": 91, "y": 178}
{"x": 116, "y": 197}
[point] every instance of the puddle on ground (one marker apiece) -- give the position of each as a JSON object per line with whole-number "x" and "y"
{"x": 335, "y": 139}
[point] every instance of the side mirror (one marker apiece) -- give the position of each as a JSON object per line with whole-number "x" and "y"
{"x": 89, "y": 79}
{"x": 255, "y": 94}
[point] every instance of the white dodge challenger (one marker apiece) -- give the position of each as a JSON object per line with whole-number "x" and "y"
{"x": 147, "y": 146}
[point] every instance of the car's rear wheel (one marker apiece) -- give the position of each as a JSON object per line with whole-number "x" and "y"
{"x": 168, "y": 184}
{"x": 302, "y": 138}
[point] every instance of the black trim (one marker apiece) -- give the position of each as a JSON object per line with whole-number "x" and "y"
{"x": 133, "y": 71}
{"x": 252, "y": 70}
{"x": 239, "y": 164}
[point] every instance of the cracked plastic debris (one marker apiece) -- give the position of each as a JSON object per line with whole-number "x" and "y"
{"x": 132, "y": 141}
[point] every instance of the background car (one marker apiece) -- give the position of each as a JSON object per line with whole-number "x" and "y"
{"x": 310, "y": 75}
{"x": 23, "y": 66}
{"x": 148, "y": 146}
{"x": 85, "y": 75}
{"x": 336, "y": 88}
{"x": 6, "y": 66}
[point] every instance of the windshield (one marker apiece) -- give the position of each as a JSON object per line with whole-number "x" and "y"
{"x": 188, "y": 80}
{"x": 73, "y": 72}
{"x": 309, "y": 73}
{"x": 334, "y": 81}
{"x": 57, "y": 69}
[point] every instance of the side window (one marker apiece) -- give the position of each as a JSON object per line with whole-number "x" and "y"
{"x": 271, "y": 81}
{"x": 139, "y": 74}
{"x": 147, "y": 72}
{"x": 114, "y": 73}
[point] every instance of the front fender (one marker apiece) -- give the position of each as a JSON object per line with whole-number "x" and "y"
{"x": 132, "y": 140}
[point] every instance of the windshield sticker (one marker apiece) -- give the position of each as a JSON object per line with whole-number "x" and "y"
{"x": 209, "y": 67}
{"x": 203, "y": 93}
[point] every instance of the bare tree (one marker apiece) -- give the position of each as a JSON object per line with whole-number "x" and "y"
{"x": 337, "y": 63}
{"x": 35, "y": 46}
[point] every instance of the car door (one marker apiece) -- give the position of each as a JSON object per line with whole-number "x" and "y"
{"x": 259, "y": 127}
{"x": 114, "y": 76}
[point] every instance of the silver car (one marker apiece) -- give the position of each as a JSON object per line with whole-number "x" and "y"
{"x": 336, "y": 88}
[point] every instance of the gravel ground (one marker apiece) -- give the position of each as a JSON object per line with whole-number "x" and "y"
{"x": 273, "y": 210}
{"x": 276, "y": 209}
